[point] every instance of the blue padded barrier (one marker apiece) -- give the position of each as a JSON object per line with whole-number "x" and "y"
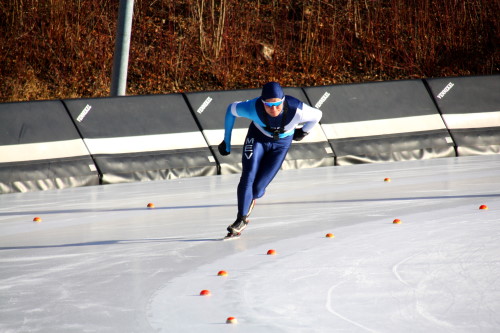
{"x": 40, "y": 149}
{"x": 471, "y": 110}
{"x": 381, "y": 122}
{"x": 142, "y": 138}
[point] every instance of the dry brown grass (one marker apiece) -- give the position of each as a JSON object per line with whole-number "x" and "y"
{"x": 64, "y": 48}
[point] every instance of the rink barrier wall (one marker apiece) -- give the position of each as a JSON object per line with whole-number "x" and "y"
{"x": 381, "y": 122}
{"x": 78, "y": 142}
{"x": 209, "y": 109}
{"x": 470, "y": 107}
{"x": 40, "y": 149}
{"x": 142, "y": 138}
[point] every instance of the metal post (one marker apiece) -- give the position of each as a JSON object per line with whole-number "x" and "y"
{"x": 122, "y": 47}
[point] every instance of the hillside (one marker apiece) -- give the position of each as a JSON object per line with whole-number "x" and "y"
{"x": 64, "y": 48}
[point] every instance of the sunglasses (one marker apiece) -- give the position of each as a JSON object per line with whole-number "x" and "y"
{"x": 271, "y": 104}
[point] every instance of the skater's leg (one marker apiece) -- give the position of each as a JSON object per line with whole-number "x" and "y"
{"x": 272, "y": 162}
{"x": 251, "y": 160}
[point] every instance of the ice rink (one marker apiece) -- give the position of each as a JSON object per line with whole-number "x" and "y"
{"x": 101, "y": 261}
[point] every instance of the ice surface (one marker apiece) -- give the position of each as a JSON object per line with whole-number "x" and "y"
{"x": 101, "y": 261}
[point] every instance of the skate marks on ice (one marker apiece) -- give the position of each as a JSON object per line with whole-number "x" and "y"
{"x": 454, "y": 282}
{"x": 443, "y": 279}
{"x": 142, "y": 270}
{"x": 424, "y": 274}
{"x": 109, "y": 210}
{"x": 332, "y": 310}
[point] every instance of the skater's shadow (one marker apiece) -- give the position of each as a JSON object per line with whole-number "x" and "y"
{"x": 114, "y": 242}
{"x": 108, "y": 210}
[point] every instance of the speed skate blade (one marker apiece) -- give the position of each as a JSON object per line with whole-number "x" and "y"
{"x": 231, "y": 237}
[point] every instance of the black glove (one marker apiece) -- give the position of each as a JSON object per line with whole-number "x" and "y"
{"x": 222, "y": 148}
{"x": 299, "y": 134}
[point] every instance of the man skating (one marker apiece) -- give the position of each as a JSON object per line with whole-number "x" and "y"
{"x": 275, "y": 118}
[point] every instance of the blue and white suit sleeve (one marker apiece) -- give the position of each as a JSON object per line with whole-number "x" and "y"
{"x": 228, "y": 127}
{"x": 238, "y": 109}
{"x": 309, "y": 116}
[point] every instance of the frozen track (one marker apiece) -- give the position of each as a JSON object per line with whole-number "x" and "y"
{"x": 100, "y": 261}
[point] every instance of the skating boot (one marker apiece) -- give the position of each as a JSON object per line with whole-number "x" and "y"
{"x": 235, "y": 229}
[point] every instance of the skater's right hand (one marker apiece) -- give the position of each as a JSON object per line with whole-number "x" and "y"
{"x": 223, "y": 149}
{"x": 299, "y": 134}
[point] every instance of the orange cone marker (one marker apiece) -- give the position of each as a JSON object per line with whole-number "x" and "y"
{"x": 271, "y": 252}
{"x": 397, "y": 221}
{"x": 387, "y": 179}
{"x": 483, "y": 207}
{"x": 231, "y": 320}
{"x": 151, "y": 205}
{"x": 222, "y": 273}
{"x": 329, "y": 235}
{"x": 37, "y": 219}
{"x": 205, "y": 292}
